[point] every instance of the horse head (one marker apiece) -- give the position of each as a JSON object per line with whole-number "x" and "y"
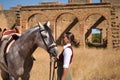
{"x": 47, "y": 39}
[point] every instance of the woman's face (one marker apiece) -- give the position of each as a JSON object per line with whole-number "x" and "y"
{"x": 65, "y": 39}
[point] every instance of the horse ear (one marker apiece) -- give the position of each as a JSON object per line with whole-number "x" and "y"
{"x": 48, "y": 24}
{"x": 40, "y": 25}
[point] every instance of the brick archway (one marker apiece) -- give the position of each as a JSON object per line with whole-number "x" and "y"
{"x": 35, "y": 18}
{"x": 30, "y": 18}
{"x": 67, "y": 22}
{"x": 98, "y": 21}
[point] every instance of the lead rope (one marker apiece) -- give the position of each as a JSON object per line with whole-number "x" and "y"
{"x": 50, "y": 67}
{"x": 54, "y": 66}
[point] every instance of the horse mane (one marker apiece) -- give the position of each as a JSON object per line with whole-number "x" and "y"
{"x": 34, "y": 30}
{"x": 30, "y": 31}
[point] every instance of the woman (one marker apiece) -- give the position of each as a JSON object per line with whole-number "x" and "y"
{"x": 65, "y": 58}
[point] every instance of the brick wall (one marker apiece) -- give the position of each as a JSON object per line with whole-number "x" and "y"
{"x": 77, "y": 18}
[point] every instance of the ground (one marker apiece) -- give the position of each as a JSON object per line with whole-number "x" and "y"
{"x": 88, "y": 64}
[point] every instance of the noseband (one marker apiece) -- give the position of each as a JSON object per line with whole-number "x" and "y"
{"x": 48, "y": 47}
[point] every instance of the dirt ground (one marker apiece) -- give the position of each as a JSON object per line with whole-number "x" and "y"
{"x": 88, "y": 64}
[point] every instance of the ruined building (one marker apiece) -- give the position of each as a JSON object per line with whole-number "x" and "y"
{"x": 78, "y": 16}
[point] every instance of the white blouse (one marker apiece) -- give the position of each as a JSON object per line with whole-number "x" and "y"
{"x": 67, "y": 56}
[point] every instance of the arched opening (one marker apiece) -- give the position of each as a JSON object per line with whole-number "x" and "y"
{"x": 35, "y": 18}
{"x": 64, "y": 23}
{"x": 96, "y": 31}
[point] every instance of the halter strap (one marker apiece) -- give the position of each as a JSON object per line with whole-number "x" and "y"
{"x": 43, "y": 38}
{"x": 48, "y": 47}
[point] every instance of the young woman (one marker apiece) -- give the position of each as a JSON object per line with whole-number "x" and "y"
{"x": 65, "y": 58}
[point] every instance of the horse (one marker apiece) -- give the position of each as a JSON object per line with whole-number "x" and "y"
{"x": 19, "y": 59}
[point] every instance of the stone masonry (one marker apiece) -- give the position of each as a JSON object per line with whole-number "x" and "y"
{"x": 79, "y": 18}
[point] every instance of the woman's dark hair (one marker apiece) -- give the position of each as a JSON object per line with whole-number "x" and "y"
{"x": 71, "y": 37}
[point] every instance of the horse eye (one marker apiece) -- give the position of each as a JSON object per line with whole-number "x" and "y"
{"x": 44, "y": 36}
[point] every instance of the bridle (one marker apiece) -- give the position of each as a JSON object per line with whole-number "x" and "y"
{"x": 47, "y": 47}
{"x": 48, "y": 50}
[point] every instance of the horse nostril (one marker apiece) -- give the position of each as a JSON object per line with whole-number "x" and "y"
{"x": 55, "y": 53}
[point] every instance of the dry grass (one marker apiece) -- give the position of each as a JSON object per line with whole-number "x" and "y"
{"x": 88, "y": 64}
{"x": 96, "y": 64}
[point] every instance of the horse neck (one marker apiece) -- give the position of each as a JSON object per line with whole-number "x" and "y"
{"x": 27, "y": 44}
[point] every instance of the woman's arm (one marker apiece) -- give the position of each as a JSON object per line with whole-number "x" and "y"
{"x": 67, "y": 56}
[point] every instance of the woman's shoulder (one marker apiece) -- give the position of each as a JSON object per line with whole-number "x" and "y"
{"x": 67, "y": 51}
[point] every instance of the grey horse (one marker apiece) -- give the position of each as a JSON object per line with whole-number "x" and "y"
{"x": 19, "y": 58}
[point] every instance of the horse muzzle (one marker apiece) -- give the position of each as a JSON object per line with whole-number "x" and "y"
{"x": 53, "y": 50}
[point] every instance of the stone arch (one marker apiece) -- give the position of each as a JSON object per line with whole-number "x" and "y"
{"x": 66, "y": 22}
{"x": 99, "y": 21}
{"x": 35, "y": 18}
{"x": 88, "y": 15}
